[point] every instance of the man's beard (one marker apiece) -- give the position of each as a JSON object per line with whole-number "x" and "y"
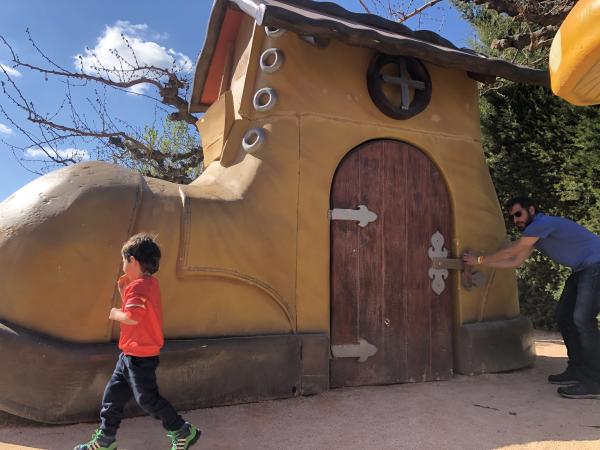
{"x": 526, "y": 224}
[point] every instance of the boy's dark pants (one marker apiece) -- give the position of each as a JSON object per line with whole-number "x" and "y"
{"x": 135, "y": 377}
{"x": 576, "y": 317}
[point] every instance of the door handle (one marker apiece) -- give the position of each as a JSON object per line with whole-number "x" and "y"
{"x": 468, "y": 276}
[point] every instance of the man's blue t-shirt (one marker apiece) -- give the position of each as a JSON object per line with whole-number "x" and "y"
{"x": 564, "y": 241}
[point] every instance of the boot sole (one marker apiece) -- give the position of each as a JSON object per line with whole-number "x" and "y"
{"x": 564, "y": 383}
{"x": 584, "y": 396}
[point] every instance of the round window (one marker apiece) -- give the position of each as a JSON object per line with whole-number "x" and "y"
{"x": 399, "y": 86}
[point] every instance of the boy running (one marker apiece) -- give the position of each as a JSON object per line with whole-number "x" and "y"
{"x": 140, "y": 341}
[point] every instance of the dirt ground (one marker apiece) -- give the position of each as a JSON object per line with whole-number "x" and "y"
{"x": 516, "y": 410}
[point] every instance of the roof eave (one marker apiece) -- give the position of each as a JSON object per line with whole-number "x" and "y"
{"x": 364, "y": 30}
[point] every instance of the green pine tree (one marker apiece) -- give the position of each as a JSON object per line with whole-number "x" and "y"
{"x": 537, "y": 144}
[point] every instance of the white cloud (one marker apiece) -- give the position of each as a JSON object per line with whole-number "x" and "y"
{"x": 4, "y": 129}
{"x": 9, "y": 70}
{"x": 161, "y": 36}
{"x": 75, "y": 153}
{"x": 138, "y": 89}
{"x": 135, "y": 47}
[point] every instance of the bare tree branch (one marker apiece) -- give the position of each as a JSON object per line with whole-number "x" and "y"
{"x": 395, "y": 11}
{"x": 542, "y": 19}
{"x": 540, "y": 38}
{"x": 540, "y": 12}
{"x": 128, "y": 77}
{"x": 364, "y": 5}
{"x": 146, "y": 151}
{"x": 417, "y": 11}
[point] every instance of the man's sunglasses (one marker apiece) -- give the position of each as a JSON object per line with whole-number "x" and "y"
{"x": 517, "y": 214}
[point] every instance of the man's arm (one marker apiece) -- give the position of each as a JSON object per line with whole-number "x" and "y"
{"x": 510, "y": 257}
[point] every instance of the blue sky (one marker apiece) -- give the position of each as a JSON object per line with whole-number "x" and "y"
{"x": 165, "y": 31}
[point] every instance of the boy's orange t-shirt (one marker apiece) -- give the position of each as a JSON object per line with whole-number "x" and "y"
{"x": 142, "y": 303}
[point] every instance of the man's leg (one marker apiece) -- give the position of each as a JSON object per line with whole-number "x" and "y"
{"x": 116, "y": 394}
{"x": 564, "y": 319}
{"x": 587, "y": 307}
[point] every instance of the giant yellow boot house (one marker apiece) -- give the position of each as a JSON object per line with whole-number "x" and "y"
{"x": 344, "y": 176}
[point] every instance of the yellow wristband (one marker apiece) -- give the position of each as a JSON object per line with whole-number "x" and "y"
{"x": 480, "y": 259}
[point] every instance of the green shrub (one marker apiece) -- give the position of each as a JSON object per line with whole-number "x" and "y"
{"x": 538, "y": 145}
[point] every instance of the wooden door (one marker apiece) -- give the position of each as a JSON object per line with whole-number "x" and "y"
{"x": 380, "y": 287}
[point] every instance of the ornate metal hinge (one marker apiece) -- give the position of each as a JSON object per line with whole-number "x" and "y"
{"x": 362, "y": 215}
{"x": 437, "y": 274}
{"x": 440, "y": 264}
{"x": 363, "y": 350}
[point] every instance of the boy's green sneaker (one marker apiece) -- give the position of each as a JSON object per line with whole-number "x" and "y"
{"x": 99, "y": 441}
{"x": 185, "y": 437}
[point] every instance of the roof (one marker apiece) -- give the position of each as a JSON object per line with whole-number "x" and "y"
{"x": 325, "y": 21}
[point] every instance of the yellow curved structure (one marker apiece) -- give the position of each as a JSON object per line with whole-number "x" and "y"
{"x": 575, "y": 55}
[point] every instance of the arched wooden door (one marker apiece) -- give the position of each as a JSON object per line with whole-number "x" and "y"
{"x": 381, "y": 293}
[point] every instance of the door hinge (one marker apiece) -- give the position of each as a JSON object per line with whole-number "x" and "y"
{"x": 362, "y": 215}
{"x": 363, "y": 350}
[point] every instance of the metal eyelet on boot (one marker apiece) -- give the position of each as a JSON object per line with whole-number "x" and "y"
{"x": 264, "y": 100}
{"x": 273, "y": 32}
{"x": 271, "y": 60}
{"x": 253, "y": 140}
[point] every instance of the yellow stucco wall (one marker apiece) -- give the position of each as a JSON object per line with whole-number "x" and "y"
{"x": 323, "y": 111}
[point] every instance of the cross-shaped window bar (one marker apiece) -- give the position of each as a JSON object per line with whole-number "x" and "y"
{"x": 404, "y": 81}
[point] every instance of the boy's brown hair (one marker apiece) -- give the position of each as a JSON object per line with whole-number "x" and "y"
{"x": 145, "y": 250}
